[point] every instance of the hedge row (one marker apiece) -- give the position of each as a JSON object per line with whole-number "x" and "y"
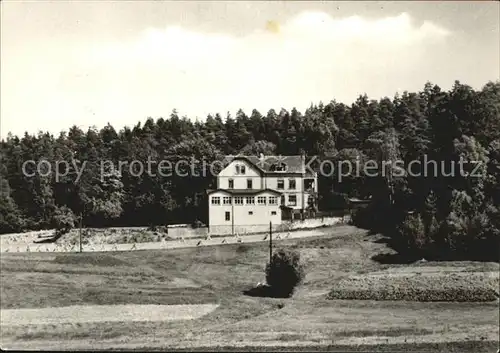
{"x": 456, "y": 287}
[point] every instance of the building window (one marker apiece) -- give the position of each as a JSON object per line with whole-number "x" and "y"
{"x": 228, "y": 216}
{"x": 231, "y": 184}
{"x": 216, "y": 200}
{"x": 250, "y": 213}
{"x": 308, "y": 184}
{"x": 292, "y": 200}
{"x": 240, "y": 169}
{"x": 273, "y": 200}
{"x": 238, "y": 200}
{"x": 250, "y": 200}
{"x": 273, "y": 213}
{"x": 226, "y": 200}
{"x": 291, "y": 184}
{"x": 281, "y": 184}
{"x": 261, "y": 200}
{"x": 249, "y": 183}
{"x": 279, "y": 167}
{"x": 283, "y": 200}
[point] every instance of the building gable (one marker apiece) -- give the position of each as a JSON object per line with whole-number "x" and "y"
{"x": 271, "y": 165}
{"x": 231, "y": 170}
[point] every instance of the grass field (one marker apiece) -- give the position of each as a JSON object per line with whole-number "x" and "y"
{"x": 218, "y": 275}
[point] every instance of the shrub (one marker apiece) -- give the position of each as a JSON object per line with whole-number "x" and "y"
{"x": 64, "y": 220}
{"x": 197, "y": 224}
{"x": 284, "y": 272}
{"x": 413, "y": 232}
{"x": 11, "y": 222}
{"x": 360, "y": 218}
{"x": 11, "y": 218}
{"x": 433, "y": 229}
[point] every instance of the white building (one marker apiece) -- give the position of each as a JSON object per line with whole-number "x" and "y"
{"x": 254, "y": 191}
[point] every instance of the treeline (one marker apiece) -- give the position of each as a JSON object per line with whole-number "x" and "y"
{"x": 427, "y": 212}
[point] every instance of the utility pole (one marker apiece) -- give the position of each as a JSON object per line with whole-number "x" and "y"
{"x": 270, "y": 241}
{"x": 81, "y": 225}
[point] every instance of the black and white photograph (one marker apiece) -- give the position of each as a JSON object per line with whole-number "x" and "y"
{"x": 266, "y": 176}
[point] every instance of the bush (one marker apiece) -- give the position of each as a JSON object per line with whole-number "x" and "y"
{"x": 11, "y": 218}
{"x": 197, "y": 224}
{"x": 433, "y": 228}
{"x": 377, "y": 217}
{"x": 284, "y": 273}
{"x": 11, "y": 222}
{"x": 413, "y": 233}
{"x": 64, "y": 220}
{"x": 360, "y": 218}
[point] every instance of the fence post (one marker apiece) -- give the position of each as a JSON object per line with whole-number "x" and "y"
{"x": 80, "y": 232}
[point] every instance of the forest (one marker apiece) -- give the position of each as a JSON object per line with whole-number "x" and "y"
{"x": 445, "y": 213}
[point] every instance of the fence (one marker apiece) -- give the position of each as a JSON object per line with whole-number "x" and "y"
{"x": 187, "y": 232}
{"x": 242, "y": 229}
{"x": 285, "y": 226}
{"x": 181, "y": 234}
{"x": 332, "y": 213}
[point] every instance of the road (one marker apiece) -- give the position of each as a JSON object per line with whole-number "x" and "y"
{"x": 23, "y": 247}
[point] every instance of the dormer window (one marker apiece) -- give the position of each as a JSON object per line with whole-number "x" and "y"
{"x": 279, "y": 167}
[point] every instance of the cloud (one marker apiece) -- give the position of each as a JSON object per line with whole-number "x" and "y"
{"x": 309, "y": 58}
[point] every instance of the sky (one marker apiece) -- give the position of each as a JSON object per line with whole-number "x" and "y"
{"x": 91, "y": 63}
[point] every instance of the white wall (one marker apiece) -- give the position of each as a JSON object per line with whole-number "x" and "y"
{"x": 271, "y": 182}
{"x": 262, "y": 214}
{"x": 239, "y": 214}
{"x": 240, "y": 180}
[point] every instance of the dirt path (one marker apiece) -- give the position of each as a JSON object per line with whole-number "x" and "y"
{"x": 54, "y": 247}
{"x": 103, "y": 313}
{"x": 213, "y": 342}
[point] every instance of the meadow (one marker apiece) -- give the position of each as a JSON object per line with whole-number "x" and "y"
{"x": 340, "y": 260}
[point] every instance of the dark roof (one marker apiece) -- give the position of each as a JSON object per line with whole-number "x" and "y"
{"x": 243, "y": 191}
{"x": 294, "y": 164}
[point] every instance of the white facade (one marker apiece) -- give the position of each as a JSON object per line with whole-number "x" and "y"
{"x": 249, "y": 196}
{"x": 226, "y": 209}
{"x": 240, "y": 180}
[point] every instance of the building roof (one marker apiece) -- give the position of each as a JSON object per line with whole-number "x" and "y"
{"x": 267, "y": 164}
{"x": 244, "y": 191}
